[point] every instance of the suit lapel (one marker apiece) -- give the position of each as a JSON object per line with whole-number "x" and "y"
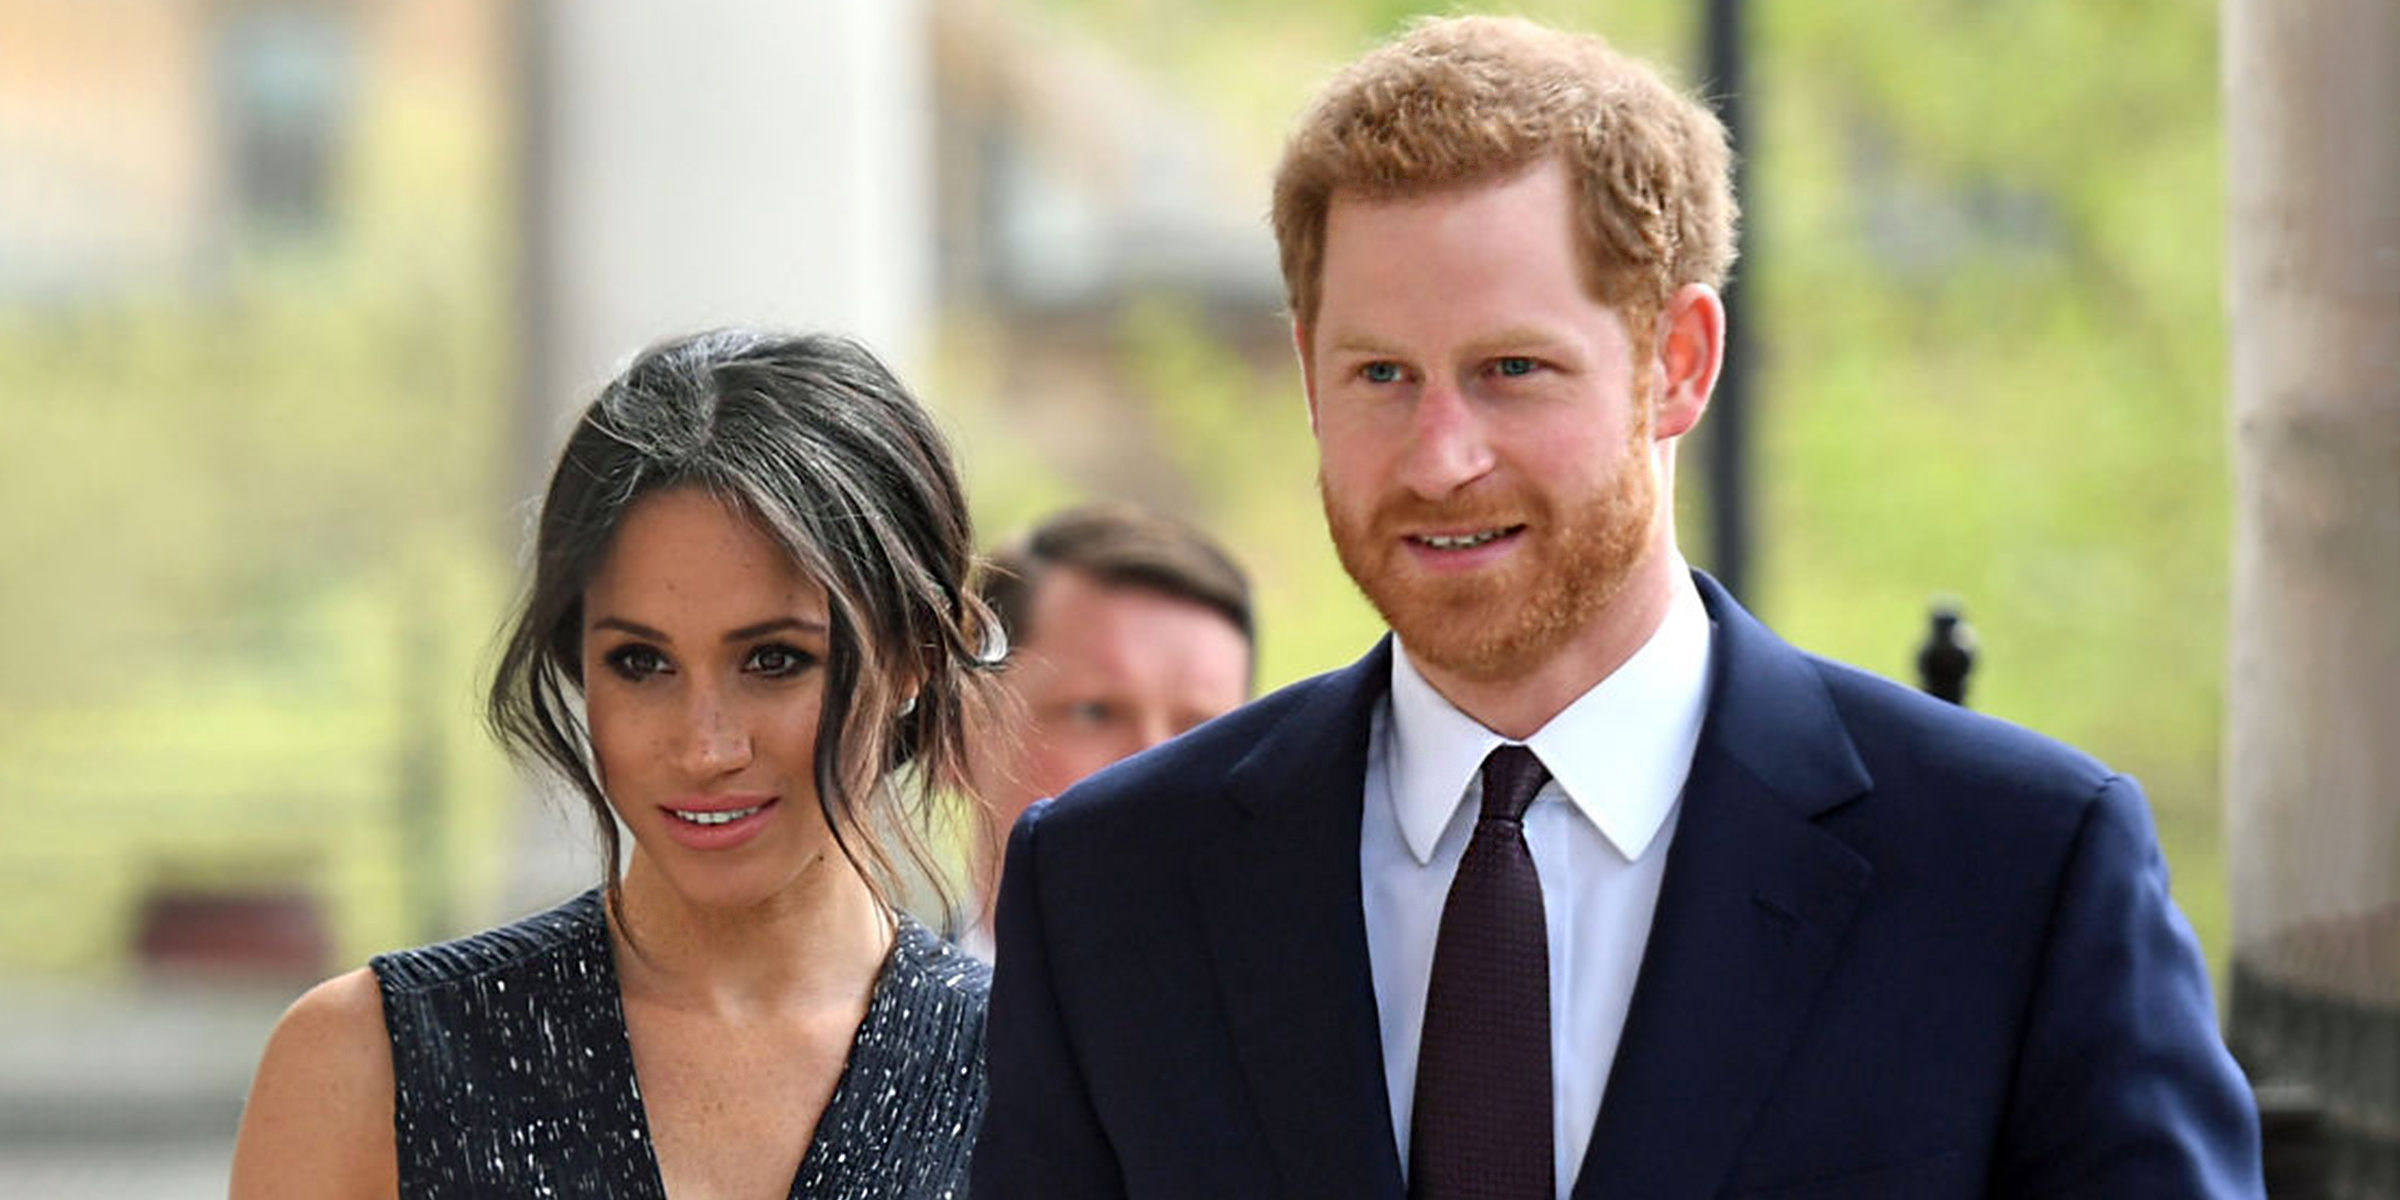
{"x": 1751, "y": 915}
{"x": 1281, "y": 897}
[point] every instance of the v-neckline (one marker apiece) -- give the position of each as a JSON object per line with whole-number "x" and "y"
{"x": 833, "y": 1103}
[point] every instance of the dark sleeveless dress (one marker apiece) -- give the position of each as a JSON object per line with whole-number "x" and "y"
{"x": 515, "y": 1078}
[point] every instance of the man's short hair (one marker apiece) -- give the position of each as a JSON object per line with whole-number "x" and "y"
{"x": 1461, "y": 101}
{"x": 1120, "y": 545}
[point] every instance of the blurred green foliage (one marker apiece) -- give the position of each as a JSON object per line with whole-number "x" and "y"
{"x": 256, "y": 546}
{"x": 1987, "y": 278}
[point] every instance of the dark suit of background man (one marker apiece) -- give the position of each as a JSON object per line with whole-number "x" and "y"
{"x": 1805, "y": 933}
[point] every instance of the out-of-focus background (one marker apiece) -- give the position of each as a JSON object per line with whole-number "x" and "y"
{"x": 296, "y": 298}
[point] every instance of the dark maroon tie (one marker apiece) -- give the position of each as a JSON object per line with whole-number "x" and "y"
{"x": 1481, "y": 1130}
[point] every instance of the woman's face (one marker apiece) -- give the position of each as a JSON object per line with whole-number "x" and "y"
{"x": 704, "y": 651}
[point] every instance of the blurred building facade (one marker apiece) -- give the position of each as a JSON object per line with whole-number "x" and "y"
{"x": 181, "y": 178}
{"x": 244, "y": 259}
{"x": 897, "y": 171}
{"x": 296, "y": 297}
{"x": 150, "y": 142}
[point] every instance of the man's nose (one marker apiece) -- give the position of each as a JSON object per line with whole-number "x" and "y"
{"x": 1447, "y": 448}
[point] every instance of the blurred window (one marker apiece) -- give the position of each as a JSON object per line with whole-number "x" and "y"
{"x": 284, "y": 87}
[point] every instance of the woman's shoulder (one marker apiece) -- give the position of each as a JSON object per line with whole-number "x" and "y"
{"x": 904, "y": 1119}
{"x": 330, "y": 1043}
{"x": 575, "y": 926}
{"x": 319, "y": 1113}
{"x": 928, "y": 1007}
{"x": 337, "y": 1021}
{"x": 927, "y": 961}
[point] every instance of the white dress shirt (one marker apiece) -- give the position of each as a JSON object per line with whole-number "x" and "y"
{"x": 1599, "y": 832}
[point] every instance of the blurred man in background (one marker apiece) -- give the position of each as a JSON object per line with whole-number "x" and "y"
{"x": 1125, "y": 628}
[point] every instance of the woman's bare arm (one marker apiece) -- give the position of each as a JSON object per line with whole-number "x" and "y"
{"x": 319, "y": 1119}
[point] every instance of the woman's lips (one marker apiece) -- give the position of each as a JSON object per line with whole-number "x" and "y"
{"x": 718, "y": 822}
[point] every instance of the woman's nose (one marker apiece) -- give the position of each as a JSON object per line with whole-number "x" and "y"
{"x": 716, "y": 741}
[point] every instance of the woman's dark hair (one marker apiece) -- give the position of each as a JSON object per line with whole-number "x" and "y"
{"x": 811, "y": 437}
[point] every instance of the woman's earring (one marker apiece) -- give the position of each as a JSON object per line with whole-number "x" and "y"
{"x": 909, "y": 705}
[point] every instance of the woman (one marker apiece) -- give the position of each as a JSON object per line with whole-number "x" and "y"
{"x": 750, "y": 610}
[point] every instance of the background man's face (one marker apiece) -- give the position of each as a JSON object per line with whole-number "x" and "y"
{"x": 1484, "y": 448}
{"x": 1108, "y": 670}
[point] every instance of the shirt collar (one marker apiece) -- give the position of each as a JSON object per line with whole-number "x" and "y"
{"x": 1620, "y": 752}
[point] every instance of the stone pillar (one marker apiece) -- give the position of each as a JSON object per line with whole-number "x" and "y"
{"x": 2312, "y": 91}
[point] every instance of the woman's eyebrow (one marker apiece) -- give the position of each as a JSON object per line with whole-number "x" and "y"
{"x": 778, "y": 625}
{"x": 743, "y": 634}
{"x": 635, "y": 628}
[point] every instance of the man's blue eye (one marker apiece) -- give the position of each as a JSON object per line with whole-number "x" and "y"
{"x": 1517, "y": 365}
{"x": 1380, "y": 372}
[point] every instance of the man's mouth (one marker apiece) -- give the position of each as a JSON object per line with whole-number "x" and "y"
{"x": 1462, "y": 541}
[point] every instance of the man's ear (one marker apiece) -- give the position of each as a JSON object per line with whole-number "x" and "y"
{"x": 1691, "y": 350}
{"x": 1308, "y": 371}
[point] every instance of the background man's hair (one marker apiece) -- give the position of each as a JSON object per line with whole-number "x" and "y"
{"x": 1456, "y": 102}
{"x": 1123, "y": 546}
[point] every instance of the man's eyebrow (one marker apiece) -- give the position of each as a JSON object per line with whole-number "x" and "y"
{"x": 1359, "y": 343}
{"x": 1522, "y": 337}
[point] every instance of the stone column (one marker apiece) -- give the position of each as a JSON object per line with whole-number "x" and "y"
{"x": 2312, "y": 94}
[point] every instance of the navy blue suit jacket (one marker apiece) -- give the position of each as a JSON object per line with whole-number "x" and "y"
{"x": 1900, "y": 950}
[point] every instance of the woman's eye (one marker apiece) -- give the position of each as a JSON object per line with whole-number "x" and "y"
{"x": 778, "y": 662}
{"x": 636, "y": 663}
{"x": 1516, "y": 364}
{"x": 1380, "y": 372}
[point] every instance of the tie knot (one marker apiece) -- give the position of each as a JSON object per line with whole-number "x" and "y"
{"x": 1511, "y": 775}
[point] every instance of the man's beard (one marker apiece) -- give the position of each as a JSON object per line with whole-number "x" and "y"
{"x": 1502, "y": 624}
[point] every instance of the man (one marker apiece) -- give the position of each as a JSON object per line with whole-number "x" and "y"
{"x": 1125, "y": 628}
{"x": 1767, "y": 926}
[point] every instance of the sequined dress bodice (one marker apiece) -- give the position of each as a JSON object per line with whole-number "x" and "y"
{"x": 514, "y": 1076}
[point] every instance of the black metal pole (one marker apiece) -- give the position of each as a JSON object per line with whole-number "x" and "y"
{"x": 1728, "y": 439}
